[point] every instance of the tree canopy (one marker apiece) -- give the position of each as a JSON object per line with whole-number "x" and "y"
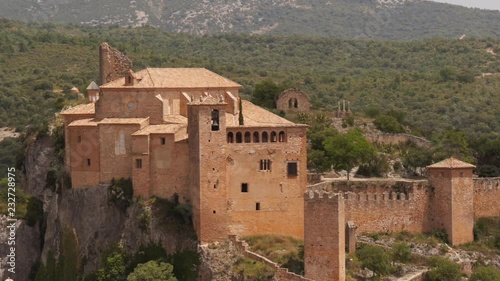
{"x": 152, "y": 271}
{"x": 346, "y": 151}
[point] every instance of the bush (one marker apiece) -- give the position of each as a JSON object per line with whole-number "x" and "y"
{"x": 401, "y": 252}
{"x": 388, "y": 124}
{"x": 443, "y": 270}
{"x": 121, "y": 193}
{"x": 485, "y": 274}
{"x": 441, "y": 235}
{"x": 253, "y": 270}
{"x": 375, "y": 259}
{"x": 152, "y": 271}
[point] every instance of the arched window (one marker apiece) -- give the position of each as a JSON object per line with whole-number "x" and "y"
{"x": 281, "y": 136}
{"x": 248, "y": 138}
{"x": 230, "y": 137}
{"x": 255, "y": 137}
{"x": 290, "y": 103}
{"x": 296, "y": 103}
{"x": 215, "y": 120}
{"x": 273, "y": 136}
{"x": 264, "y": 137}
{"x": 238, "y": 137}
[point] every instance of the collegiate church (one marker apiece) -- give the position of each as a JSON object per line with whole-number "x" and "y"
{"x": 186, "y": 131}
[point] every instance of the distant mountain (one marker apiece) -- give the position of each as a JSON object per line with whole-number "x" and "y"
{"x": 384, "y": 19}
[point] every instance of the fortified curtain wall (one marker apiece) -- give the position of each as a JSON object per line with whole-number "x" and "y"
{"x": 486, "y": 197}
{"x": 394, "y": 206}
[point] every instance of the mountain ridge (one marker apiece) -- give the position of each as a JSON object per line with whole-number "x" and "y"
{"x": 382, "y": 19}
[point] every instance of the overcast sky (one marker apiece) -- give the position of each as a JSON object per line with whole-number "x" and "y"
{"x": 483, "y": 4}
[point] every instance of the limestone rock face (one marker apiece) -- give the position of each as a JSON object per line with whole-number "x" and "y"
{"x": 39, "y": 157}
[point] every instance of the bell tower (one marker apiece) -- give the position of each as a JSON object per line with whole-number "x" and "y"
{"x": 207, "y": 158}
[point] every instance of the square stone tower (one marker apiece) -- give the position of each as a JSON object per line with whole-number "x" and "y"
{"x": 324, "y": 236}
{"x": 207, "y": 174}
{"x": 453, "y": 201}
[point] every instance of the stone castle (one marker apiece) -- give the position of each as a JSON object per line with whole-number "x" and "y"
{"x": 186, "y": 132}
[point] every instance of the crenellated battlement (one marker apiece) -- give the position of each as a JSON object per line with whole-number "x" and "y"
{"x": 377, "y": 197}
{"x": 312, "y": 195}
{"x": 486, "y": 184}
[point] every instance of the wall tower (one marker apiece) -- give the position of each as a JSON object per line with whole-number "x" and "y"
{"x": 453, "y": 201}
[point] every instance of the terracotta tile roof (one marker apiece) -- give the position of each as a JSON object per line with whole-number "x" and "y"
{"x": 451, "y": 163}
{"x": 123, "y": 120}
{"x": 87, "y": 108}
{"x": 255, "y": 116}
{"x": 177, "y": 78}
{"x": 159, "y": 129}
{"x": 175, "y": 119}
{"x": 83, "y": 122}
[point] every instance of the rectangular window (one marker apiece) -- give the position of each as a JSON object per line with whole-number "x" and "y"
{"x": 292, "y": 169}
{"x": 265, "y": 165}
{"x": 79, "y": 139}
{"x": 138, "y": 163}
{"x": 257, "y": 206}
{"x": 244, "y": 187}
{"x": 163, "y": 141}
{"x": 88, "y": 162}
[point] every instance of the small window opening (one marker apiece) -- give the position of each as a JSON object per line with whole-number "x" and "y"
{"x": 215, "y": 120}
{"x": 281, "y": 136}
{"x": 163, "y": 141}
{"x": 238, "y": 137}
{"x": 290, "y": 103}
{"x": 230, "y": 137}
{"x": 79, "y": 139}
{"x": 247, "y": 137}
{"x": 265, "y": 165}
{"x": 296, "y": 103}
{"x": 273, "y": 137}
{"x": 138, "y": 163}
{"x": 264, "y": 137}
{"x": 257, "y": 206}
{"x": 292, "y": 169}
{"x": 244, "y": 187}
{"x": 255, "y": 137}
{"x": 88, "y": 162}
{"x": 214, "y": 211}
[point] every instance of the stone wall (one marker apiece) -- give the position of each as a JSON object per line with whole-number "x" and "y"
{"x": 281, "y": 274}
{"x": 395, "y": 139}
{"x": 113, "y": 64}
{"x": 486, "y": 195}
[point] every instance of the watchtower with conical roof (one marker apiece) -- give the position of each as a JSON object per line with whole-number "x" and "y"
{"x": 453, "y": 200}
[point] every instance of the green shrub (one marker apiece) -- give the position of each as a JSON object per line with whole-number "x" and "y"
{"x": 253, "y": 270}
{"x": 144, "y": 220}
{"x": 375, "y": 259}
{"x": 440, "y": 234}
{"x": 443, "y": 269}
{"x": 401, "y": 252}
{"x": 485, "y": 274}
{"x": 388, "y": 124}
{"x": 152, "y": 271}
{"x": 121, "y": 193}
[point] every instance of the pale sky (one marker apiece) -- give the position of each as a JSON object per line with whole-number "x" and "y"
{"x": 483, "y": 4}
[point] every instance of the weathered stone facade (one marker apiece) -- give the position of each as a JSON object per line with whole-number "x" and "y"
{"x": 113, "y": 64}
{"x": 177, "y": 132}
{"x": 293, "y": 100}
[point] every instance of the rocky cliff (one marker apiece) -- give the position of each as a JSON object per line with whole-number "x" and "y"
{"x": 91, "y": 216}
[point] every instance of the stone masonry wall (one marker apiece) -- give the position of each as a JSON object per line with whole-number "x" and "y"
{"x": 113, "y": 64}
{"x": 486, "y": 195}
{"x": 293, "y": 99}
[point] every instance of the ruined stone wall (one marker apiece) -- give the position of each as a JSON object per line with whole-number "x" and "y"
{"x": 293, "y": 100}
{"x": 273, "y": 201}
{"x": 324, "y": 237}
{"x": 281, "y": 274}
{"x": 486, "y": 195}
{"x": 113, "y": 64}
{"x": 395, "y": 139}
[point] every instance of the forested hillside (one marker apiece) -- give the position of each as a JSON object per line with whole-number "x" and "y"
{"x": 387, "y": 19}
{"x": 437, "y": 83}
